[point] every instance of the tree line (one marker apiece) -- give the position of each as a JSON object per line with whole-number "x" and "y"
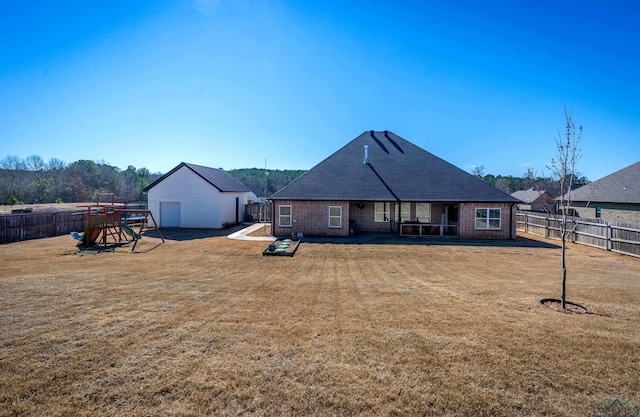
{"x": 33, "y": 180}
{"x": 510, "y": 184}
{"x": 258, "y": 180}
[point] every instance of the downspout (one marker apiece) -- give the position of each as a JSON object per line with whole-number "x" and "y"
{"x": 399, "y": 219}
{"x": 511, "y": 222}
{"x": 272, "y": 220}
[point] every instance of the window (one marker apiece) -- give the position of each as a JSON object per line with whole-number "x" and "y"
{"x": 284, "y": 216}
{"x": 382, "y": 212}
{"x": 423, "y": 212}
{"x": 598, "y": 212}
{"x": 488, "y": 218}
{"x": 404, "y": 212}
{"x": 335, "y": 216}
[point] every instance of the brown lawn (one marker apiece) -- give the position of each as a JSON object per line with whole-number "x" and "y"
{"x": 209, "y": 326}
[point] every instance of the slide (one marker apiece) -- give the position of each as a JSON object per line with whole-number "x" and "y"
{"x": 129, "y": 230}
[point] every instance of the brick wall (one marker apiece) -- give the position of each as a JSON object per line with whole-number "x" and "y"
{"x": 311, "y": 218}
{"x": 626, "y": 213}
{"x": 468, "y": 221}
{"x": 363, "y": 213}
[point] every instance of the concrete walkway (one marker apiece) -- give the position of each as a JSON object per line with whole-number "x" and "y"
{"x": 243, "y": 234}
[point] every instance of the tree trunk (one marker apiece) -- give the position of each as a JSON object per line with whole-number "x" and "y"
{"x": 563, "y": 295}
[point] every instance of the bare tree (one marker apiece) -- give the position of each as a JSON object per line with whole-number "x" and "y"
{"x": 529, "y": 178}
{"x": 563, "y": 168}
{"x": 12, "y": 162}
{"x": 478, "y": 171}
{"x": 56, "y": 164}
{"x": 35, "y": 163}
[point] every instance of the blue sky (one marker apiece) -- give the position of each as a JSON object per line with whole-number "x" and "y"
{"x": 230, "y": 83}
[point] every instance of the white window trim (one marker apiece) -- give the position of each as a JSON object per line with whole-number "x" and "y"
{"x": 385, "y": 213}
{"x": 280, "y": 216}
{"x": 339, "y": 217}
{"x": 488, "y": 219}
{"x": 420, "y": 218}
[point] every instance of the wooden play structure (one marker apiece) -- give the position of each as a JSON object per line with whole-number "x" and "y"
{"x": 109, "y": 222}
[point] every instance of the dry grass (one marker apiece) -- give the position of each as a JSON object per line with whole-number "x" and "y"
{"x": 211, "y": 327}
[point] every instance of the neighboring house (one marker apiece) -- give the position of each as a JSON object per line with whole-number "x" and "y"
{"x": 535, "y": 200}
{"x": 380, "y": 182}
{"x": 615, "y": 197}
{"x": 196, "y": 196}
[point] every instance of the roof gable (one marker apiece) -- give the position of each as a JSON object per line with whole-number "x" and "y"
{"x": 620, "y": 187}
{"x": 397, "y": 170}
{"x": 531, "y": 195}
{"x": 219, "y": 179}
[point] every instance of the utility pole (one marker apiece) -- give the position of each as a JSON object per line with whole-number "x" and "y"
{"x": 264, "y": 200}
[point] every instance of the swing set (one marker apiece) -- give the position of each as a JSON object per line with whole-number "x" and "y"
{"x": 108, "y": 223}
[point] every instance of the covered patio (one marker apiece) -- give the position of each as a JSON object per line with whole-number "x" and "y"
{"x": 405, "y": 218}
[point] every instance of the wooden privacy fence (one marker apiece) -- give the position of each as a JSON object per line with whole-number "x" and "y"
{"x": 25, "y": 226}
{"x": 257, "y": 212}
{"x": 613, "y": 236}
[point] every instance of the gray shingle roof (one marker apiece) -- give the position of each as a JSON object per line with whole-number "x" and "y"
{"x": 528, "y": 196}
{"x": 216, "y": 177}
{"x": 397, "y": 170}
{"x": 620, "y": 187}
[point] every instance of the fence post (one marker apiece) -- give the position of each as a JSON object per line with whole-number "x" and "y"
{"x": 608, "y": 234}
{"x": 546, "y": 226}
{"x": 573, "y": 230}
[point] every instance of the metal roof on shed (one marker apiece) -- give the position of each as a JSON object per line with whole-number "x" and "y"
{"x": 216, "y": 177}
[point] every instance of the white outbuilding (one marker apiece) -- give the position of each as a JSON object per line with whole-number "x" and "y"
{"x": 194, "y": 196}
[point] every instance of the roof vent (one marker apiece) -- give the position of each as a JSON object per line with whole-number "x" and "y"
{"x": 366, "y": 154}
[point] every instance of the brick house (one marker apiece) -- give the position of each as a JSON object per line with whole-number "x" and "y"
{"x": 615, "y": 197}
{"x": 380, "y": 182}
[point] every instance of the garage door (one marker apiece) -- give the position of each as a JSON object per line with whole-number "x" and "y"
{"x": 169, "y": 214}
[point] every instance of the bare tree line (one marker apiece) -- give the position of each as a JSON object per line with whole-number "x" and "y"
{"x": 33, "y": 180}
{"x": 510, "y": 184}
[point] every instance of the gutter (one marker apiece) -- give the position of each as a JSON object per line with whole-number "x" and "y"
{"x": 511, "y": 222}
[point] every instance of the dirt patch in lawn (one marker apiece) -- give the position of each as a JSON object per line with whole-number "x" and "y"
{"x": 569, "y": 307}
{"x": 208, "y": 326}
